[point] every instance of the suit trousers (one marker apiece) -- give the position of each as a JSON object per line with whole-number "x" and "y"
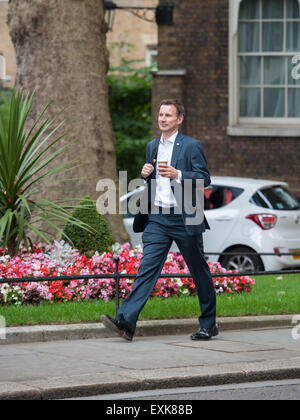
{"x": 158, "y": 235}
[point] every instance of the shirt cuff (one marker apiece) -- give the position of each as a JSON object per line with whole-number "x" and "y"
{"x": 179, "y": 179}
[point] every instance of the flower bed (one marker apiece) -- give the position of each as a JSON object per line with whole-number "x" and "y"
{"x": 62, "y": 260}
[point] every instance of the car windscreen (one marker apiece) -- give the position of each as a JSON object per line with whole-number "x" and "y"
{"x": 276, "y": 197}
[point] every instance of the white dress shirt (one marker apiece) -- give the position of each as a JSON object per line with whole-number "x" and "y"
{"x": 164, "y": 196}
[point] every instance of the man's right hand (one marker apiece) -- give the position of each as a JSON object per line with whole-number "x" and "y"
{"x": 147, "y": 170}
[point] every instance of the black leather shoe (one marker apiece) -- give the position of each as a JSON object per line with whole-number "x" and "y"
{"x": 120, "y": 327}
{"x": 206, "y": 333}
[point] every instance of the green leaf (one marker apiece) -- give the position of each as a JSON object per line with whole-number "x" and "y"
{"x": 3, "y": 223}
{"x": 25, "y": 202}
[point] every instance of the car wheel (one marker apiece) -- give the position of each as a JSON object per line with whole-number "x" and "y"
{"x": 241, "y": 261}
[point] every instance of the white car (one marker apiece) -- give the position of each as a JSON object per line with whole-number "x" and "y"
{"x": 245, "y": 215}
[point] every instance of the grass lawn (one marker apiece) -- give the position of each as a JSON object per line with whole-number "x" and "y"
{"x": 271, "y": 295}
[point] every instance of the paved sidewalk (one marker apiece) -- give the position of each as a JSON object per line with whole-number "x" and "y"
{"x": 62, "y": 369}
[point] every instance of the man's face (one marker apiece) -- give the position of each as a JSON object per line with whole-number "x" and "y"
{"x": 168, "y": 120}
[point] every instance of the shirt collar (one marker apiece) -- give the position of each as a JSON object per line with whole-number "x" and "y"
{"x": 170, "y": 139}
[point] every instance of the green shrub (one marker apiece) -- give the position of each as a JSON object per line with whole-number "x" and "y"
{"x": 87, "y": 242}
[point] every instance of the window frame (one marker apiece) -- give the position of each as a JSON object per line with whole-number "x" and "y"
{"x": 2, "y": 67}
{"x": 268, "y": 204}
{"x": 273, "y": 127}
{"x": 151, "y": 55}
{"x": 3, "y": 76}
{"x": 236, "y": 192}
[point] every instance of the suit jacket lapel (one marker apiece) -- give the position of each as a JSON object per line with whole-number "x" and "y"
{"x": 176, "y": 149}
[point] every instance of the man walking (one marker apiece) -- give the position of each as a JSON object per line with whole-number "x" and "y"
{"x": 171, "y": 158}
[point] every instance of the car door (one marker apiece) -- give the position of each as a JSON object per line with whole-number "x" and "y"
{"x": 222, "y": 212}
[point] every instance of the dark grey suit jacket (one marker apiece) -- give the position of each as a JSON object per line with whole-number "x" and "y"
{"x": 189, "y": 158}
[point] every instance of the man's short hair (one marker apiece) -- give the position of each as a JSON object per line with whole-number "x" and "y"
{"x": 178, "y": 105}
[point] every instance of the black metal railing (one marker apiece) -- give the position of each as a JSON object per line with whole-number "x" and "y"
{"x": 274, "y": 254}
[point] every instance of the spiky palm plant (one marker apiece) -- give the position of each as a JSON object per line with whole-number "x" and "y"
{"x": 26, "y": 157}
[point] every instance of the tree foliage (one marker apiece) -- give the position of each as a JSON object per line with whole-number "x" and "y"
{"x": 130, "y": 106}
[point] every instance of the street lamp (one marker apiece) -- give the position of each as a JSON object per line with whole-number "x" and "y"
{"x": 110, "y": 12}
{"x": 162, "y": 14}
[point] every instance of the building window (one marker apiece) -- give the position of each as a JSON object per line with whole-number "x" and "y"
{"x": 151, "y": 55}
{"x": 3, "y": 75}
{"x": 2, "y": 68}
{"x": 266, "y": 96}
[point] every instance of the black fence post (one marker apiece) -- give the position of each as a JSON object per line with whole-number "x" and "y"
{"x": 117, "y": 277}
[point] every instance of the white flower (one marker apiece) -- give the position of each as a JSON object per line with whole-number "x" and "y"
{"x": 138, "y": 249}
{"x": 12, "y": 294}
{"x": 178, "y": 281}
{"x": 62, "y": 253}
{"x": 116, "y": 247}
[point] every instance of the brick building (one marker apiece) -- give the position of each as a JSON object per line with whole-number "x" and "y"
{"x": 230, "y": 62}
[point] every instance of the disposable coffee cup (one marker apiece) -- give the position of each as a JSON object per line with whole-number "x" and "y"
{"x": 162, "y": 164}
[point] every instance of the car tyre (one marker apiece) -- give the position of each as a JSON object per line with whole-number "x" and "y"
{"x": 241, "y": 261}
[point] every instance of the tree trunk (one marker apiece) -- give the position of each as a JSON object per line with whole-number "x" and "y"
{"x": 61, "y": 54}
